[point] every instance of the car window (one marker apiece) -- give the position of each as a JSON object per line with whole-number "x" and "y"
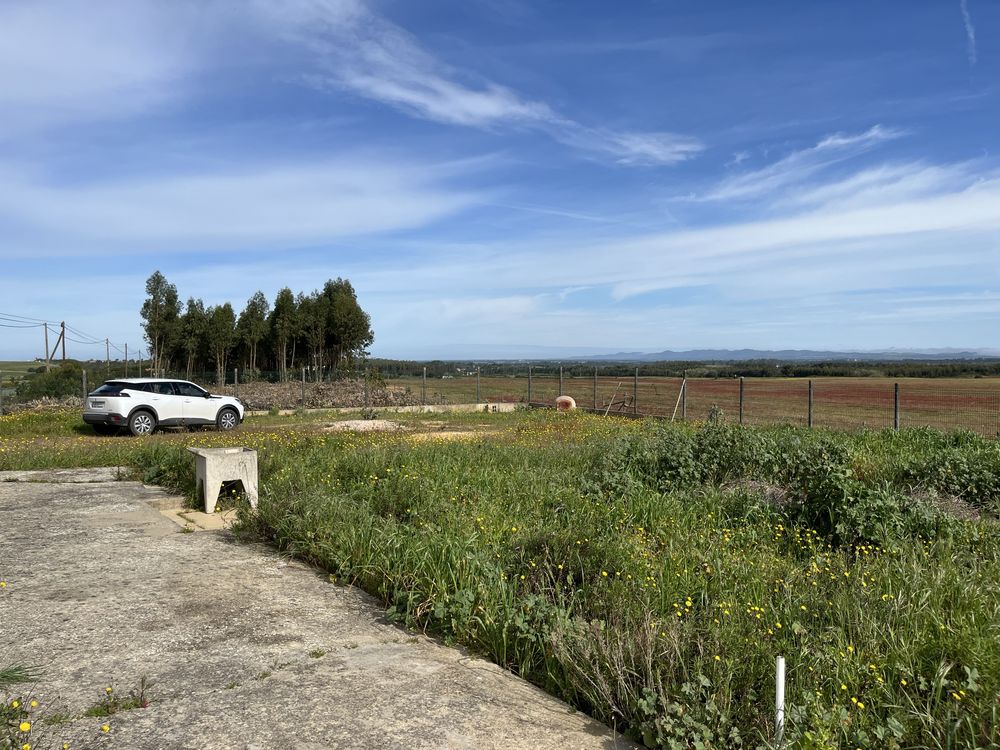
{"x": 164, "y": 389}
{"x": 110, "y": 389}
{"x": 188, "y": 389}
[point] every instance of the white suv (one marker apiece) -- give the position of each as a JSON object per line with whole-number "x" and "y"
{"x": 143, "y": 404}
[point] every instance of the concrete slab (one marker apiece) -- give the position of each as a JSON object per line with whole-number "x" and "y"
{"x": 246, "y": 649}
{"x": 69, "y": 476}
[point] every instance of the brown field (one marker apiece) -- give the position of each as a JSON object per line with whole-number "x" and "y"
{"x": 838, "y": 403}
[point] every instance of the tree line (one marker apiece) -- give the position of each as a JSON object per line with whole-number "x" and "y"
{"x": 325, "y": 331}
{"x": 985, "y": 367}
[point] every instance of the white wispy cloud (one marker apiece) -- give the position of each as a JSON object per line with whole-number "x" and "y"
{"x": 831, "y": 241}
{"x": 970, "y": 31}
{"x": 356, "y": 50}
{"x": 888, "y": 183}
{"x": 225, "y": 208}
{"x": 65, "y": 61}
{"x": 798, "y": 166}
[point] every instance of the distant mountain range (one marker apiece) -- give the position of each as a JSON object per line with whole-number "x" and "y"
{"x": 793, "y": 355}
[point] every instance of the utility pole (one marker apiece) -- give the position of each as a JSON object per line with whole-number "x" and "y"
{"x": 126, "y": 359}
{"x": 46, "y": 347}
{"x": 62, "y": 337}
{"x": 107, "y": 350}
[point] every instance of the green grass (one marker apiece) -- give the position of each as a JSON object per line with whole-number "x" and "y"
{"x": 650, "y": 574}
{"x": 8, "y": 367}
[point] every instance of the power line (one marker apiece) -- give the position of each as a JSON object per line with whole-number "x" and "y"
{"x": 85, "y": 343}
{"x": 12, "y": 320}
{"x": 26, "y": 319}
{"x": 78, "y": 332}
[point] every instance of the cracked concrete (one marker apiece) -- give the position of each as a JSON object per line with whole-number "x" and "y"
{"x": 247, "y": 650}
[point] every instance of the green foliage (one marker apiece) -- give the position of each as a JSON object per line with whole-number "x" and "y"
{"x": 65, "y": 379}
{"x": 160, "y": 312}
{"x": 649, "y": 574}
{"x": 602, "y": 561}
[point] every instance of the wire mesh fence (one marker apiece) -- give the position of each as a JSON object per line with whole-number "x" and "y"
{"x": 839, "y": 403}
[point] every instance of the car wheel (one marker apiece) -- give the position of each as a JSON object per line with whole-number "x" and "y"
{"x": 106, "y": 429}
{"x": 141, "y": 423}
{"x": 228, "y": 420}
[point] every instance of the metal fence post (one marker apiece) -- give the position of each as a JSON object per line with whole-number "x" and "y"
{"x": 635, "y": 392}
{"x": 478, "y": 399}
{"x": 741, "y": 399}
{"x": 595, "y": 389}
{"x": 809, "y": 416}
{"x": 560, "y": 380}
{"x": 529, "y": 384}
{"x": 895, "y": 406}
{"x": 423, "y": 388}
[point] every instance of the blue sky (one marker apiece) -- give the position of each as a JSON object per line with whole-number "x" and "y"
{"x": 504, "y": 178}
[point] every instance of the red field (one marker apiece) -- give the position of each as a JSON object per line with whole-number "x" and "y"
{"x": 838, "y": 403}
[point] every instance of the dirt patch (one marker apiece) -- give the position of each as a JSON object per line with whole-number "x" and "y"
{"x": 364, "y": 425}
{"x": 950, "y": 505}
{"x": 772, "y": 494}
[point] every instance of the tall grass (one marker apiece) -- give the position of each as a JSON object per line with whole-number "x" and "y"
{"x": 605, "y": 564}
{"x": 650, "y": 574}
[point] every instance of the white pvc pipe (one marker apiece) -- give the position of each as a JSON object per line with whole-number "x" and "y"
{"x": 779, "y": 701}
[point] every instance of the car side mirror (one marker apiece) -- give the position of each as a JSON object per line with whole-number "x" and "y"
{"x": 207, "y": 395}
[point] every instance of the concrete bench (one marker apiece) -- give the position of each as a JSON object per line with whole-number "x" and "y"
{"x": 215, "y": 466}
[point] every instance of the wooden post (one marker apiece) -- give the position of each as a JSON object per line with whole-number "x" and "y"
{"x": 478, "y": 399}
{"x": 236, "y": 382}
{"x": 85, "y": 385}
{"x": 595, "y": 388}
{"x": 560, "y": 380}
{"x": 46, "y": 347}
{"x": 423, "y": 388}
{"x": 741, "y": 399}
{"x": 809, "y": 418}
{"x": 303, "y": 387}
{"x": 62, "y": 337}
{"x": 126, "y": 359}
{"x": 895, "y": 407}
{"x": 635, "y": 392}
{"x": 107, "y": 354}
{"x": 684, "y": 398}
{"x": 529, "y": 384}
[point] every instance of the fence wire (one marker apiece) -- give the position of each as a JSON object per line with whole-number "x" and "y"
{"x": 838, "y": 403}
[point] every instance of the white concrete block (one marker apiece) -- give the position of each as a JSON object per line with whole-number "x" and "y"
{"x": 214, "y": 466}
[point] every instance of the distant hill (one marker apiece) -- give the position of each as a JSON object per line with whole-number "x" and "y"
{"x": 793, "y": 355}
